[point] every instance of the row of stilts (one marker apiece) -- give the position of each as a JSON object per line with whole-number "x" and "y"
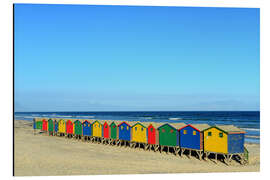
{"x": 176, "y": 150}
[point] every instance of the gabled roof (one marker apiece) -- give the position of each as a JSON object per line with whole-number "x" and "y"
{"x": 97, "y": 121}
{"x": 154, "y": 124}
{"x": 135, "y": 123}
{"x": 228, "y": 129}
{"x": 198, "y": 127}
{"x": 123, "y": 123}
{"x": 176, "y": 126}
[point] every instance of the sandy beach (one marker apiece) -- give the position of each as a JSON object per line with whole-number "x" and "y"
{"x": 42, "y": 155}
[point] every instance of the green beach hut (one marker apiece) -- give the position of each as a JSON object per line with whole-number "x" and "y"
{"x": 78, "y": 129}
{"x": 50, "y": 126}
{"x": 169, "y": 135}
{"x": 38, "y": 122}
{"x": 113, "y": 129}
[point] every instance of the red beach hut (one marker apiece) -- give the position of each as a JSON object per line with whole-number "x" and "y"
{"x": 152, "y": 133}
{"x": 106, "y": 130}
{"x": 69, "y": 126}
{"x": 44, "y": 125}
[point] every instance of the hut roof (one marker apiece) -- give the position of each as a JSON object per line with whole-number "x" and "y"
{"x": 176, "y": 126}
{"x": 137, "y": 122}
{"x": 155, "y": 124}
{"x": 127, "y": 122}
{"x": 229, "y": 128}
{"x": 200, "y": 127}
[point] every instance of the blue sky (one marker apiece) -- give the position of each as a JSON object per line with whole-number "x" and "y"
{"x": 124, "y": 58}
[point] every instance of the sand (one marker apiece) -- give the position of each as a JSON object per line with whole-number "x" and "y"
{"x": 42, "y": 155}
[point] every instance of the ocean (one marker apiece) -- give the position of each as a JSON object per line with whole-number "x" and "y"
{"x": 249, "y": 121}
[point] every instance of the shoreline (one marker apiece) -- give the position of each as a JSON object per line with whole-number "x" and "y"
{"x": 42, "y": 155}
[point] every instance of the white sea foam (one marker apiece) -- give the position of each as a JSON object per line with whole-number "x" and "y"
{"x": 250, "y": 129}
{"x": 175, "y": 118}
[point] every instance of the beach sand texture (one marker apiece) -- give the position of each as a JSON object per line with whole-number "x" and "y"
{"x": 42, "y": 155}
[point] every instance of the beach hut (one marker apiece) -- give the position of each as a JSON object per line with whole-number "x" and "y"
{"x": 106, "y": 130}
{"x": 87, "y": 133}
{"x": 191, "y": 138}
{"x": 34, "y": 123}
{"x": 78, "y": 129}
{"x": 69, "y": 128}
{"x": 44, "y": 125}
{"x": 169, "y": 136}
{"x": 124, "y": 131}
{"x": 39, "y": 123}
{"x": 153, "y": 135}
{"x": 50, "y": 127}
{"x": 138, "y": 135}
{"x": 55, "y": 127}
{"x": 97, "y": 131}
{"x": 62, "y": 127}
{"x": 227, "y": 140}
{"x": 113, "y": 133}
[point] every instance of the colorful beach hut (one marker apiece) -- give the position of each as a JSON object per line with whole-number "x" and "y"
{"x": 39, "y": 123}
{"x": 138, "y": 133}
{"x": 97, "y": 129}
{"x": 153, "y": 135}
{"x": 124, "y": 131}
{"x": 87, "y": 129}
{"x": 69, "y": 128}
{"x": 191, "y": 138}
{"x": 106, "y": 130}
{"x": 44, "y": 125}
{"x": 169, "y": 136}
{"x": 50, "y": 126}
{"x": 61, "y": 127}
{"x": 113, "y": 130}
{"x": 55, "y": 127}
{"x": 226, "y": 139}
{"x": 78, "y": 128}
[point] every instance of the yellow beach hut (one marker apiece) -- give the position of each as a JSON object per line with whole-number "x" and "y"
{"x": 61, "y": 127}
{"x": 97, "y": 129}
{"x": 138, "y": 132}
{"x": 224, "y": 139}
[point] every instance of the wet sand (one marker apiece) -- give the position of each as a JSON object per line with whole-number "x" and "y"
{"x": 42, "y": 155}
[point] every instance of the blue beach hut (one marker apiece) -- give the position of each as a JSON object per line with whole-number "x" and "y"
{"x": 191, "y": 136}
{"x": 124, "y": 131}
{"x": 55, "y": 127}
{"x": 87, "y": 128}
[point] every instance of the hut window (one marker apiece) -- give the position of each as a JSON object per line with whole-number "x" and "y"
{"x": 163, "y": 130}
{"x": 221, "y": 135}
{"x": 127, "y": 127}
{"x": 113, "y": 126}
{"x": 171, "y": 131}
{"x": 88, "y": 125}
{"x": 209, "y": 133}
{"x": 142, "y": 129}
{"x": 95, "y": 125}
{"x": 194, "y": 132}
{"x": 122, "y": 127}
{"x": 135, "y": 128}
{"x": 84, "y": 125}
{"x": 98, "y": 125}
{"x": 105, "y": 126}
{"x": 185, "y": 131}
{"x": 151, "y": 129}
